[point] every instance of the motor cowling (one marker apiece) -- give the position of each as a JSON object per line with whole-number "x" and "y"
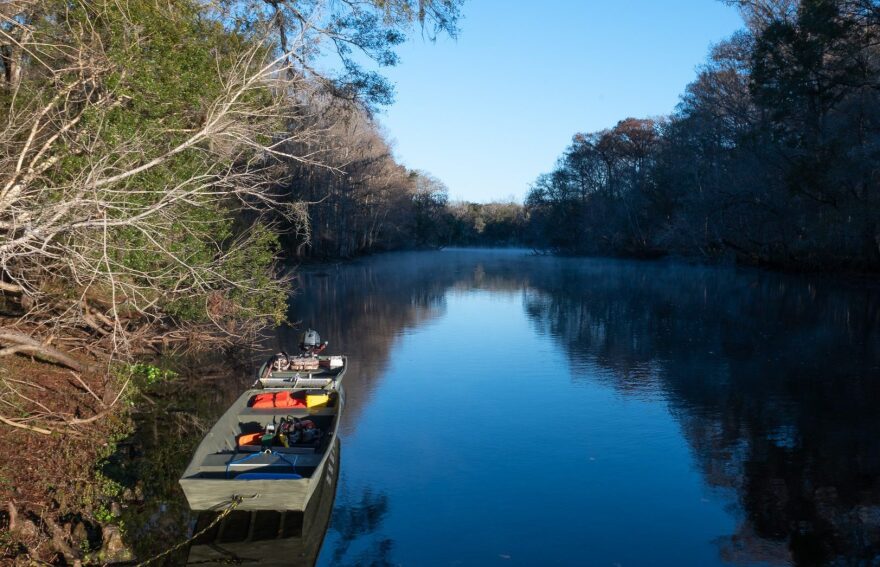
{"x": 310, "y": 342}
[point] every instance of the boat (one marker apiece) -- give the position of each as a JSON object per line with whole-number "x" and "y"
{"x": 272, "y": 446}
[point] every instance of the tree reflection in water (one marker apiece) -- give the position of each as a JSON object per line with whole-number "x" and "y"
{"x": 353, "y": 520}
{"x": 773, "y": 379}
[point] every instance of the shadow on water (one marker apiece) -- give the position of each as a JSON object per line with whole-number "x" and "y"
{"x": 354, "y": 520}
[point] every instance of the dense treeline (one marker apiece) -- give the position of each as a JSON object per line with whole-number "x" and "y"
{"x": 358, "y": 199}
{"x": 486, "y": 224}
{"x": 771, "y": 157}
{"x": 157, "y": 159}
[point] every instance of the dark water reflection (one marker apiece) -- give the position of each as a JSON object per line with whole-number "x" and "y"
{"x": 510, "y": 409}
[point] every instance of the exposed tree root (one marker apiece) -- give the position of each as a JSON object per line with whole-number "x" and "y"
{"x": 10, "y": 288}
{"x": 33, "y": 428}
{"x": 22, "y": 343}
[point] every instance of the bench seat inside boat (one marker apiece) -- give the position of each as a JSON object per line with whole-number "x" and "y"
{"x": 320, "y": 372}
{"x": 281, "y": 412}
{"x": 218, "y": 462}
{"x": 298, "y": 449}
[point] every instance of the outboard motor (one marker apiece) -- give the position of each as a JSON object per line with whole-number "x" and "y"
{"x": 310, "y": 343}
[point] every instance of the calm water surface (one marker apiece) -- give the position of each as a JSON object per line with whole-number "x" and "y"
{"x": 509, "y": 409}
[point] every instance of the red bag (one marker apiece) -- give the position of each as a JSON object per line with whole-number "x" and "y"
{"x": 285, "y": 400}
{"x": 263, "y": 401}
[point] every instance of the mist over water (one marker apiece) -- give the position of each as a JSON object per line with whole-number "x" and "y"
{"x": 511, "y": 409}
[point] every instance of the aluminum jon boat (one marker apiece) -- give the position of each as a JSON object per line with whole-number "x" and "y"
{"x": 272, "y": 445}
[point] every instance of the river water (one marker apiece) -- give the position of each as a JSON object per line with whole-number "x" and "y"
{"x": 511, "y": 409}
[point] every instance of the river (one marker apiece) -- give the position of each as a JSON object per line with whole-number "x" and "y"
{"x": 505, "y": 408}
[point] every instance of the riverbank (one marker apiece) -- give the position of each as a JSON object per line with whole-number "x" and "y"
{"x": 74, "y": 485}
{"x": 106, "y": 490}
{"x": 60, "y": 500}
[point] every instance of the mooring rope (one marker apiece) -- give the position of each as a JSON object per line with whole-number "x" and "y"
{"x": 236, "y": 500}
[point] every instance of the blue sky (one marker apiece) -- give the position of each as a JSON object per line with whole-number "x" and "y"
{"x": 489, "y": 112}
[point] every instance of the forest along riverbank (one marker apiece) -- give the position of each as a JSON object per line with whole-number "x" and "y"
{"x": 145, "y": 203}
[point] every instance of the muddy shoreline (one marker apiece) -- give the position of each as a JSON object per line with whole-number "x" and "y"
{"x": 107, "y": 491}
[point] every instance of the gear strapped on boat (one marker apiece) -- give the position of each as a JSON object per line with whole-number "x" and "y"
{"x": 289, "y": 432}
{"x": 293, "y": 430}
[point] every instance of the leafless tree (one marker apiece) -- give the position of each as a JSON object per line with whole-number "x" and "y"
{"x": 69, "y": 193}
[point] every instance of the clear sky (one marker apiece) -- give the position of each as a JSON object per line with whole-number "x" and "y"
{"x": 489, "y": 112}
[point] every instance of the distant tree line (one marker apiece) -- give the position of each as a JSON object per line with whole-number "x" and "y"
{"x": 369, "y": 203}
{"x": 771, "y": 157}
{"x": 358, "y": 199}
{"x": 486, "y": 224}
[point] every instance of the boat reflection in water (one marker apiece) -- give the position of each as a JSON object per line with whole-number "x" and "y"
{"x": 269, "y": 537}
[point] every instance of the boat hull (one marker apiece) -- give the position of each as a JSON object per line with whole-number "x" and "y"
{"x": 205, "y": 494}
